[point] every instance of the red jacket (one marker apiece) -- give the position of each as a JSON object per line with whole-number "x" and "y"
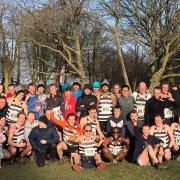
{"x": 70, "y": 105}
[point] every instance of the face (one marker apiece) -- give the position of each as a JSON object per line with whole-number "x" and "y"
{"x": 67, "y": 94}
{"x": 158, "y": 121}
{"x": 71, "y": 120}
{"x": 116, "y": 89}
{"x": 21, "y": 119}
{"x": 117, "y": 112}
{"x": 134, "y": 117}
{"x": 145, "y": 131}
{"x": 2, "y": 121}
{"x": 40, "y": 90}
{"x": 116, "y": 134}
{"x": 157, "y": 93}
{"x": 53, "y": 90}
{"x": 20, "y": 96}
{"x": 125, "y": 92}
{"x": 95, "y": 90}
{"x": 92, "y": 113}
{"x": 165, "y": 88}
{"x": 76, "y": 87}
{"x": 48, "y": 113}
{"x": 88, "y": 131}
{"x": 87, "y": 91}
{"x": 32, "y": 90}
{"x": 142, "y": 87}
{"x": 2, "y": 103}
{"x": 41, "y": 124}
{"x": 31, "y": 117}
{"x": 105, "y": 88}
{"x": 11, "y": 89}
{"x": 1, "y": 89}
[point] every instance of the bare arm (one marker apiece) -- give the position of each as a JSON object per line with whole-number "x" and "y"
{"x": 170, "y": 133}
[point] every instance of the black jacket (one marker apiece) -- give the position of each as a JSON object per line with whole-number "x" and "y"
{"x": 56, "y": 101}
{"x": 86, "y": 101}
{"x": 153, "y": 107}
{"x": 141, "y": 143}
{"x": 37, "y": 134}
{"x": 176, "y": 96}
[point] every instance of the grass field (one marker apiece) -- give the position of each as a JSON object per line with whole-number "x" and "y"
{"x": 121, "y": 171}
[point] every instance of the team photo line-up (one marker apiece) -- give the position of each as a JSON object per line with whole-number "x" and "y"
{"x": 94, "y": 126}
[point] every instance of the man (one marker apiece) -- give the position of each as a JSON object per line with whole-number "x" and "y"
{"x": 17, "y": 143}
{"x": 88, "y": 155}
{"x": 92, "y": 120}
{"x": 176, "y": 97}
{"x": 55, "y": 100}
{"x": 31, "y": 97}
{"x": 126, "y": 101}
{"x": 106, "y": 102}
{"x": 71, "y": 131}
{"x": 116, "y": 90}
{"x": 96, "y": 88}
{"x": 165, "y": 134}
{"x": 11, "y": 91}
{"x": 69, "y": 102}
{"x": 146, "y": 148}
{"x": 175, "y": 127}
{"x": 141, "y": 97}
{"x": 85, "y": 101}
{"x": 168, "y": 111}
{"x": 156, "y": 106}
{"x": 42, "y": 138}
{"x": 130, "y": 132}
{"x": 116, "y": 121}
{"x": 3, "y": 106}
{"x": 76, "y": 89}
{"x": 115, "y": 148}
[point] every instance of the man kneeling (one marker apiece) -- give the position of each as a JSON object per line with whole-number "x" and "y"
{"x": 88, "y": 156}
{"x": 115, "y": 148}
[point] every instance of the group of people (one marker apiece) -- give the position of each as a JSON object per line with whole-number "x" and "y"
{"x": 94, "y": 126}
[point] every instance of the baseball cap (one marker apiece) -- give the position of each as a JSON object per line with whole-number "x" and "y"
{"x": 96, "y": 84}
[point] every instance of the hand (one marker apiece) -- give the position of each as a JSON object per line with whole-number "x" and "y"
{"x": 101, "y": 136}
{"x": 22, "y": 145}
{"x": 176, "y": 147}
{"x": 43, "y": 141}
{"x": 38, "y": 108}
{"x": 82, "y": 106}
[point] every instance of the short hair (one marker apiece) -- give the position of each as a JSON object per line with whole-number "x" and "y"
{"x": 159, "y": 115}
{"x": 72, "y": 114}
{"x": 9, "y": 85}
{"x": 2, "y": 116}
{"x": 3, "y": 97}
{"x": 31, "y": 84}
{"x": 165, "y": 83}
{"x": 31, "y": 112}
{"x": 125, "y": 86}
{"x": 91, "y": 108}
{"x": 133, "y": 112}
{"x": 145, "y": 125}
{"x": 86, "y": 126}
{"x": 67, "y": 89}
{"x": 52, "y": 84}
{"x": 117, "y": 106}
{"x": 113, "y": 128}
{"x": 21, "y": 113}
{"x": 116, "y": 84}
{"x": 158, "y": 88}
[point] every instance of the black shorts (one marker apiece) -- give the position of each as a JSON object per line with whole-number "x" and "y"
{"x": 72, "y": 148}
{"x": 87, "y": 162}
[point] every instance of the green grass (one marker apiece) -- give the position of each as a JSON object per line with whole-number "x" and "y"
{"x": 124, "y": 170}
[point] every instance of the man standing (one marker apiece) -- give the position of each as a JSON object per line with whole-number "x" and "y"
{"x": 126, "y": 101}
{"x": 156, "y": 106}
{"x": 106, "y": 102}
{"x": 141, "y": 97}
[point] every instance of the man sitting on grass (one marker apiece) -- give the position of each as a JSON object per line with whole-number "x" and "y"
{"x": 115, "y": 148}
{"x": 88, "y": 156}
{"x": 146, "y": 148}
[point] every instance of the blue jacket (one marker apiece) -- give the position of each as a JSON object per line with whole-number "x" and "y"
{"x": 37, "y": 134}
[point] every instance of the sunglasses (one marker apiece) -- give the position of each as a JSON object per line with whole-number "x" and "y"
{"x": 115, "y": 132}
{"x": 88, "y": 130}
